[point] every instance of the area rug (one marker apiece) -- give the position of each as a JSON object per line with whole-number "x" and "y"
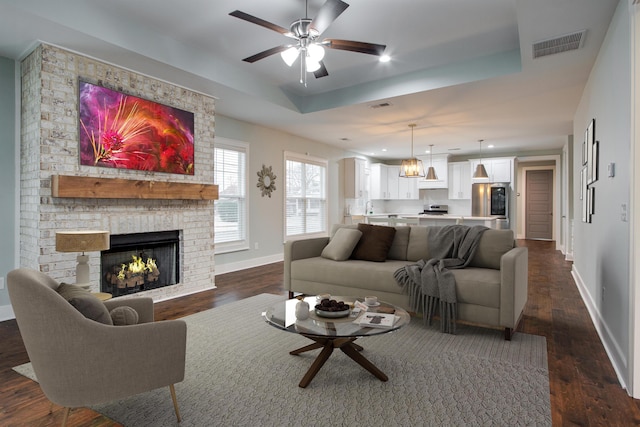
{"x": 239, "y": 372}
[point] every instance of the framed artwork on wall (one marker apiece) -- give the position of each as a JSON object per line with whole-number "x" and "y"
{"x": 590, "y": 139}
{"x": 118, "y": 130}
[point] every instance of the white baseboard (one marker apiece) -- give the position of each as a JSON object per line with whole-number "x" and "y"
{"x": 6, "y": 313}
{"x": 250, "y": 263}
{"x": 616, "y": 355}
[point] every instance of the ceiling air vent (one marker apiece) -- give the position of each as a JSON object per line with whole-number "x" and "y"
{"x": 559, "y": 44}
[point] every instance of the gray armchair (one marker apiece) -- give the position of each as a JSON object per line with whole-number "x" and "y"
{"x": 80, "y": 362}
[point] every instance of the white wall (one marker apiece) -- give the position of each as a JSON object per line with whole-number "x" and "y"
{"x": 266, "y": 217}
{"x": 601, "y": 249}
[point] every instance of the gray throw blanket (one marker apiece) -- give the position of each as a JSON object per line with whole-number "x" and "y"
{"x": 430, "y": 283}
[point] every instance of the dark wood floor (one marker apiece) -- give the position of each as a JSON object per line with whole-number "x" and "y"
{"x": 584, "y": 389}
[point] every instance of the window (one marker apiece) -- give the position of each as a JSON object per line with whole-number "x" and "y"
{"x": 306, "y": 196}
{"x": 230, "y": 210}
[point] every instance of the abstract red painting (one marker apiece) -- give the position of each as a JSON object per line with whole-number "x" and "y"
{"x": 123, "y": 131}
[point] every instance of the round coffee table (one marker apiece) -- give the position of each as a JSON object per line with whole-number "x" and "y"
{"x": 331, "y": 333}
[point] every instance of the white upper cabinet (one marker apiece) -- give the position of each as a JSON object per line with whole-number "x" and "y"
{"x": 379, "y": 174}
{"x": 460, "y": 181}
{"x": 440, "y": 164}
{"x": 407, "y": 187}
{"x": 356, "y": 178}
{"x": 387, "y": 185}
{"x": 499, "y": 169}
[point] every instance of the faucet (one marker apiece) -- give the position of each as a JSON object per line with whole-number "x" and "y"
{"x": 367, "y": 209}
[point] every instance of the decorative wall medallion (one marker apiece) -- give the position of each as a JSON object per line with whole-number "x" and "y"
{"x": 266, "y": 181}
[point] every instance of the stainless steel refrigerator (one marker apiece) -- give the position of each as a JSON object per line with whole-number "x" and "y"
{"x": 491, "y": 200}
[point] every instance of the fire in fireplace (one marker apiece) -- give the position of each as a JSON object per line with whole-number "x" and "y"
{"x": 140, "y": 261}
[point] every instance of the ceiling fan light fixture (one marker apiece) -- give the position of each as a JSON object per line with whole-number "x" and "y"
{"x": 312, "y": 65}
{"x": 290, "y": 55}
{"x": 315, "y": 52}
{"x": 412, "y": 167}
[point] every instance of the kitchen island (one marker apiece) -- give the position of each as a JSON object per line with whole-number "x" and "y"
{"x": 431, "y": 220}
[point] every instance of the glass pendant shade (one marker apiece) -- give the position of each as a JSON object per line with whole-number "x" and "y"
{"x": 412, "y": 167}
{"x": 290, "y": 55}
{"x": 312, "y": 66}
{"x": 315, "y": 53}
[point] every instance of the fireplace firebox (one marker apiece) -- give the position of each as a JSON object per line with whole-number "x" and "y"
{"x": 139, "y": 262}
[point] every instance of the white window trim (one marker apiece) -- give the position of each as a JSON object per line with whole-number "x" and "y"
{"x": 305, "y": 158}
{"x": 243, "y": 245}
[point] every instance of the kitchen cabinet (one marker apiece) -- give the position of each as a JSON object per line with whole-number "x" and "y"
{"x": 407, "y": 187}
{"x": 499, "y": 169}
{"x": 440, "y": 164}
{"x": 356, "y": 178}
{"x": 387, "y": 185}
{"x": 379, "y": 180}
{"x": 459, "y": 181}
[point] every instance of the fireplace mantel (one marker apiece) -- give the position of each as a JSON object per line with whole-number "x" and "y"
{"x": 119, "y": 188}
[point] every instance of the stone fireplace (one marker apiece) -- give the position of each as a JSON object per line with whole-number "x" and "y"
{"x": 49, "y": 135}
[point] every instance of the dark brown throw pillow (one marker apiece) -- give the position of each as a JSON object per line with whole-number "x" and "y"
{"x": 87, "y": 304}
{"x": 375, "y": 242}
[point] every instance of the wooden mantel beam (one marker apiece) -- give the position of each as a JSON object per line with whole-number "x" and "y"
{"x": 118, "y": 188}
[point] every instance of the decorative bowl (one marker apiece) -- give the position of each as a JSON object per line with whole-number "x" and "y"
{"x": 332, "y": 314}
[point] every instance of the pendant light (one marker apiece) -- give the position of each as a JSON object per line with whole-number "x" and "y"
{"x": 412, "y": 167}
{"x": 431, "y": 173}
{"x": 481, "y": 172}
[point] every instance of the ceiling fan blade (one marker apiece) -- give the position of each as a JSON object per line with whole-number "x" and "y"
{"x": 258, "y": 21}
{"x": 353, "y": 46}
{"x": 328, "y": 13}
{"x": 321, "y": 72}
{"x": 265, "y": 53}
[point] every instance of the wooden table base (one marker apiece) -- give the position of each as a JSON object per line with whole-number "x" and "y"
{"x": 327, "y": 345}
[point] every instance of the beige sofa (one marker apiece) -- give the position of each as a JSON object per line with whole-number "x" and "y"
{"x": 491, "y": 290}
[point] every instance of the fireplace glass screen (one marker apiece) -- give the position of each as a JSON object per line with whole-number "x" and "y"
{"x": 140, "y": 262}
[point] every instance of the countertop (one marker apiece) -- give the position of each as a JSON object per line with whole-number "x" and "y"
{"x": 426, "y": 216}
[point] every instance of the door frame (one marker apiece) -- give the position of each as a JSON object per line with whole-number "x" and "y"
{"x": 559, "y": 223}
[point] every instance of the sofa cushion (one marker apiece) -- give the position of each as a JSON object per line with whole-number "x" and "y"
{"x": 375, "y": 242}
{"x": 493, "y": 244}
{"x": 363, "y": 276}
{"x": 342, "y": 244}
{"x": 124, "y": 315}
{"x": 89, "y": 305}
{"x": 336, "y": 227}
{"x": 417, "y": 247}
{"x": 400, "y": 242}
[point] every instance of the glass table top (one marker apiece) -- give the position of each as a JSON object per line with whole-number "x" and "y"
{"x": 282, "y": 315}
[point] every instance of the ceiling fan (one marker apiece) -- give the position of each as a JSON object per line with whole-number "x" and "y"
{"x": 307, "y": 46}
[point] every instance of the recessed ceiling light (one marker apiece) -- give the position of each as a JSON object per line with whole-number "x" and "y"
{"x": 384, "y": 58}
{"x": 427, "y": 151}
{"x": 490, "y": 146}
{"x": 384, "y": 149}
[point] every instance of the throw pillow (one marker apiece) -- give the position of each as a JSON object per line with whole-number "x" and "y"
{"x": 124, "y": 315}
{"x": 342, "y": 244}
{"x": 87, "y": 304}
{"x": 375, "y": 242}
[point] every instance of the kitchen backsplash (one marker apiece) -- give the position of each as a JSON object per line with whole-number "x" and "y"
{"x": 427, "y": 197}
